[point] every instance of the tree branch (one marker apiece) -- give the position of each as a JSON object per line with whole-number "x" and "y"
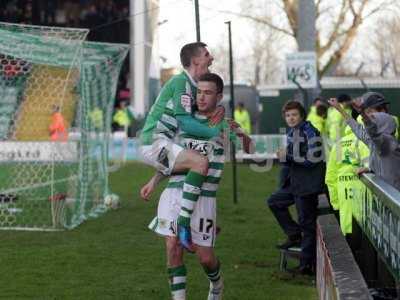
{"x": 335, "y": 31}
{"x": 291, "y": 9}
{"x": 317, "y": 9}
{"x": 259, "y": 20}
{"x": 349, "y": 37}
{"x": 380, "y": 7}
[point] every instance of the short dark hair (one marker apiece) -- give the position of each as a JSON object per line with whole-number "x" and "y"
{"x": 322, "y": 111}
{"x": 343, "y": 98}
{"x": 212, "y": 77}
{"x": 189, "y": 51}
{"x": 317, "y": 99}
{"x": 291, "y": 104}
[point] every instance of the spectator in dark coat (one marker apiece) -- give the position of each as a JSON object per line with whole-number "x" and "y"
{"x": 302, "y": 180}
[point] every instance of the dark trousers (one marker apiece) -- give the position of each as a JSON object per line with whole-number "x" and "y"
{"x": 306, "y": 207}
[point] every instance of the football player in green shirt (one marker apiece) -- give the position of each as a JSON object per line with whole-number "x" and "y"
{"x": 204, "y": 219}
{"x": 173, "y": 110}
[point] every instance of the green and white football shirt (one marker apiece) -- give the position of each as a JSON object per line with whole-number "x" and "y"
{"x": 176, "y": 98}
{"x": 213, "y": 149}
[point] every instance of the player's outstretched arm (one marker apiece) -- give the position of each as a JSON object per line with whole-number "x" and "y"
{"x": 151, "y": 185}
{"x": 217, "y": 116}
{"x": 247, "y": 142}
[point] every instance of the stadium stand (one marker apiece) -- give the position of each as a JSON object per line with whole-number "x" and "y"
{"x": 39, "y": 100}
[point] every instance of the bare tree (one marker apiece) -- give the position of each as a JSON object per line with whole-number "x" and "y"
{"x": 243, "y": 71}
{"x": 266, "y": 62}
{"x": 337, "y": 22}
{"x": 261, "y": 64}
{"x": 386, "y": 42}
{"x": 221, "y": 64}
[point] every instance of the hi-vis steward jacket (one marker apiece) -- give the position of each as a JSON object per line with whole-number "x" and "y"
{"x": 343, "y": 183}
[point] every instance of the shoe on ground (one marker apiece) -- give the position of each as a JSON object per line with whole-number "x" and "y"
{"x": 292, "y": 241}
{"x": 303, "y": 270}
{"x": 216, "y": 290}
{"x": 185, "y": 238}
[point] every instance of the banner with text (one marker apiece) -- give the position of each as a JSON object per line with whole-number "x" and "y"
{"x": 301, "y": 70}
{"x": 38, "y": 151}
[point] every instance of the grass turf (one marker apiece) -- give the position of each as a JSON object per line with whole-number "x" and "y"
{"x": 117, "y": 257}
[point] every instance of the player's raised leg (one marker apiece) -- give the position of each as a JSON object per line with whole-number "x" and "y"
{"x": 198, "y": 167}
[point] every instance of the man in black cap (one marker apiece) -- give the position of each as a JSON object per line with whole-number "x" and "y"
{"x": 373, "y": 102}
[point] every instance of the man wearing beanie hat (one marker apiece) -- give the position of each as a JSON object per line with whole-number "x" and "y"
{"x": 378, "y": 135}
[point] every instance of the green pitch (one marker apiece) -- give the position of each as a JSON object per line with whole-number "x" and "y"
{"x": 117, "y": 257}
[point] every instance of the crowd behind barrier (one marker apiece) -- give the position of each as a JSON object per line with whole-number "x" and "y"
{"x": 69, "y": 13}
{"x": 108, "y": 21}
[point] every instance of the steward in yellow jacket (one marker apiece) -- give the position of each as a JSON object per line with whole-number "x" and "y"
{"x": 317, "y": 117}
{"x": 242, "y": 117}
{"x": 335, "y": 123}
{"x": 341, "y": 176}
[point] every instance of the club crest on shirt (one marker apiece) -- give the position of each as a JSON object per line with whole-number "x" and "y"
{"x": 186, "y": 102}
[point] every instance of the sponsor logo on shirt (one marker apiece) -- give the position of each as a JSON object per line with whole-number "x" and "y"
{"x": 200, "y": 146}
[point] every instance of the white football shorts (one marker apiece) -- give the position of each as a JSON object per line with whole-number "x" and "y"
{"x": 162, "y": 155}
{"x": 203, "y": 220}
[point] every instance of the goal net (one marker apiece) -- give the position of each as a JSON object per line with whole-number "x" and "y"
{"x": 56, "y": 100}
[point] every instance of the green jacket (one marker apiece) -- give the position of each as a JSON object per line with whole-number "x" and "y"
{"x": 122, "y": 117}
{"x": 96, "y": 118}
{"x": 316, "y": 120}
{"x": 396, "y": 119}
{"x": 341, "y": 178}
{"x": 335, "y": 125}
{"x": 243, "y": 119}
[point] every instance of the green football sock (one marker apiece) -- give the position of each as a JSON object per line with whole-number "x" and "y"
{"x": 177, "y": 281}
{"x": 191, "y": 192}
{"x": 213, "y": 275}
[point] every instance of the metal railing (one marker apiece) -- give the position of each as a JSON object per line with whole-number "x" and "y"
{"x": 378, "y": 214}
